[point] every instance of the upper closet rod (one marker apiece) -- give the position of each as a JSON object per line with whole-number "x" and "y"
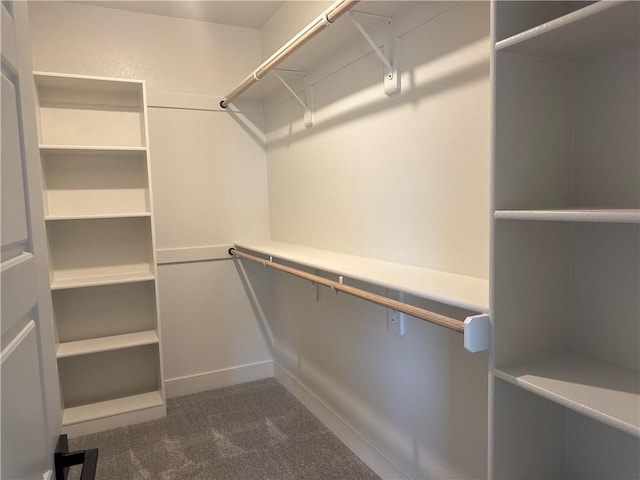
{"x": 327, "y": 18}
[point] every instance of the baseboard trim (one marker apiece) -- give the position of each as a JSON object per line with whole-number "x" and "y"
{"x": 380, "y": 463}
{"x": 200, "y": 382}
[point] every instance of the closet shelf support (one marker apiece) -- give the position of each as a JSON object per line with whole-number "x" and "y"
{"x": 328, "y": 17}
{"x": 475, "y": 328}
{"x": 308, "y": 105}
{"x": 389, "y": 56}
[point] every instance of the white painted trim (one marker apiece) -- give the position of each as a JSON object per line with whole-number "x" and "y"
{"x": 200, "y": 382}
{"x": 193, "y": 254}
{"x": 378, "y": 461}
{"x": 15, "y": 343}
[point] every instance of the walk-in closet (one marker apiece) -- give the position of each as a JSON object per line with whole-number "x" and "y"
{"x": 332, "y": 240}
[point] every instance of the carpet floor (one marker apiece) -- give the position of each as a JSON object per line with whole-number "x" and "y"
{"x": 253, "y": 431}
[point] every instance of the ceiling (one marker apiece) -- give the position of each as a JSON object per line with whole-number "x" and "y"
{"x": 241, "y": 13}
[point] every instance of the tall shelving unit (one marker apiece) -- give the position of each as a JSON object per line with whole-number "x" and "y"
{"x": 566, "y": 394}
{"x": 98, "y": 210}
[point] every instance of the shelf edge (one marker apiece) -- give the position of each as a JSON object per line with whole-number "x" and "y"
{"x": 91, "y": 148}
{"x": 568, "y": 215}
{"x": 556, "y": 23}
{"x": 140, "y": 339}
{"x": 106, "y": 216}
{"x": 96, "y": 281}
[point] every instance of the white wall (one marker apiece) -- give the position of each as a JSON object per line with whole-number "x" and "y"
{"x": 208, "y": 171}
{"x": 404, "y": 179}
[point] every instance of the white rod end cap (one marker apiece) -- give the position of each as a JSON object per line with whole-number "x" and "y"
{"x": 477, "y": 333}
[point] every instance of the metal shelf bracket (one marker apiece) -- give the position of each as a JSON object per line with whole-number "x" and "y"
{"x": 308, "y": 105}
{"x": 389, "y": 55}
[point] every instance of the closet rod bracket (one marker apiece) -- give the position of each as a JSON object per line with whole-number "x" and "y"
{"x": 389, "y": 55}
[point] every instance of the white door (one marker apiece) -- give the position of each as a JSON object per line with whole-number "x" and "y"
{"x": 30, "y": 401}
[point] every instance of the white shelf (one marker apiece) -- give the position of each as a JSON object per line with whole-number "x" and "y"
{"x": 60, "y": 88}
{"x": 597, "y": 28}
{"x": 573, "y": 215}
{"x": 97, "y": 280}
{"x": 105, "y": 344}
{"x": 90, "y": 111}
{"x": 599, "y": 390}
{"x": 107, "y": 85}
{"x": 79, "y": 149}
{"x": 97, "y": 216}
{"x": 109, "y": 408}
{"x": 458, "y": 290}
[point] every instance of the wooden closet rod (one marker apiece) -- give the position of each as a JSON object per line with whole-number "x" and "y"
{"x": 432, "y": 317}
{"x": 307, "y": 33}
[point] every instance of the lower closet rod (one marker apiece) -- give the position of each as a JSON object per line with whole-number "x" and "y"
{"x": 432, "y": 317}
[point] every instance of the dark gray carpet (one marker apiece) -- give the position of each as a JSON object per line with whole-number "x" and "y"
{"x": 256, "y": 430}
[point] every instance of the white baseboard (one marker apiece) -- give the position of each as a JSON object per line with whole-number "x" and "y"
{"x": 200, "y": 382}
{"x": 381, "y": 464}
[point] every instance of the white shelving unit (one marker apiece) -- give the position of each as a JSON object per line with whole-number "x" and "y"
{"x": 98, "y": 211}
{"x": 566, "y": 233}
